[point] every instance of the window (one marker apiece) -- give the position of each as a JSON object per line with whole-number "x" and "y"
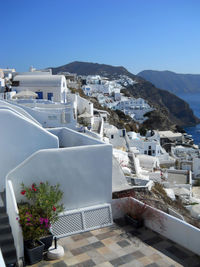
{"x": 149, "y": 147}
{"x": 145, "y": 152}
{"x": 112, "y": 136}
{"x": 15, "y": 83}
{"x": 153, "y": 151}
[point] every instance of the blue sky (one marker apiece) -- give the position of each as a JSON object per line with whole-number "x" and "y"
{"x": 136, "y": 34}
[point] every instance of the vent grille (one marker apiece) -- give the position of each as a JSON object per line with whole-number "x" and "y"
{"x": 73, "y": 222}
{"x": 97, "y": 217}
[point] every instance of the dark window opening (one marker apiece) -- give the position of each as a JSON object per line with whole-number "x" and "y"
{"x": 15, "y": 83}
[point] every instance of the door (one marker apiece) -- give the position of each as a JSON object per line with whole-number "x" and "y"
{"x": 40, "y": 95}
{"x": 49, "y": 96}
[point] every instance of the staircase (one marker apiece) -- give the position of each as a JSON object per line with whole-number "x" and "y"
{"x": 6, "y": 240}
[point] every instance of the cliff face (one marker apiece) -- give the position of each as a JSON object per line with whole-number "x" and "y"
{"x": 170, "y": 109}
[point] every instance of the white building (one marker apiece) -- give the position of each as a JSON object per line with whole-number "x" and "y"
{"x": 51, "y": 87}
{"x": 144, "y": 145}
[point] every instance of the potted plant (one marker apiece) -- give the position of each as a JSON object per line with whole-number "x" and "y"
{"x": 32, "y": 229}
{"x": 41, "y": 210}
{"x": 46, "y": 199}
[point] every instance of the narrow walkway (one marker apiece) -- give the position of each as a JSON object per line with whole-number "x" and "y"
{"x": 122, "y": 245}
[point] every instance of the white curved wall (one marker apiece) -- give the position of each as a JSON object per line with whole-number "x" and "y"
{"x": 18, "y": 110}
{"x": 20, "y": 137}
{"x": 84, "y": 174}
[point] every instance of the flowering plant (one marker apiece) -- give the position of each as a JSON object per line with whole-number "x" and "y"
{"x": 42, "y": 209}
{"x": 33, "y": 225}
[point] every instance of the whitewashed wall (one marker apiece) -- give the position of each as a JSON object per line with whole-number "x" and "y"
{"x": 52, "y": 117}
{"x": 70, "y": 138}
{"x": 173, "y": 228}
{"x": 18, "y": 110}
{"x": 20, "y": 137}
{"x": 84, "y": 174}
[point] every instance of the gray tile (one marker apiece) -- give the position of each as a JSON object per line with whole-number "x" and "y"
{"x": 117, "y": 262}
{"x": 88, "y": 263}
{"x": 86, "y": 248}
{"x": 123, "y": 243}
{"x": 59, "y": 264}
{"x": 105, "y": 235}
{"x": 127, "y": 258}
{"x": 152, "y": 265}
{"x": 138, "y": 254}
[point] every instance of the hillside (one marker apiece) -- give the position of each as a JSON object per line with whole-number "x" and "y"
{"x": 87, "y": 68}
{"x": 170, "y": 110}
{"x": 173, "y": 82}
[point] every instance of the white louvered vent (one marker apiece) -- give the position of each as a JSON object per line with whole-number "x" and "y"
{"x": 77, "y": 221}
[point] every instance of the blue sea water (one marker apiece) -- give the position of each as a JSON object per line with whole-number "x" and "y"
{"x": 194, "y": 101}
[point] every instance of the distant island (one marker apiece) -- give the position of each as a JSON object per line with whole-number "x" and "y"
{"x": 173, "y": 82}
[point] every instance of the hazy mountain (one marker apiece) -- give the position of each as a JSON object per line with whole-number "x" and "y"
{"x": 170, "y": 109}
{"x": 173, "y": 82}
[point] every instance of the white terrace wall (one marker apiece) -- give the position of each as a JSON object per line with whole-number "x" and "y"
{"x": 20, "y": 137}
{"x": 84, "y": 174}
{"x": 18, "y": 110}
{"x": 50, "y": 116}
{"x": 71, "y": 138}
{"x": 173, "y": 228}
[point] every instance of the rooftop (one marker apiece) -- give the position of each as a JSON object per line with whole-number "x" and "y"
{"x": 121, "y": 245}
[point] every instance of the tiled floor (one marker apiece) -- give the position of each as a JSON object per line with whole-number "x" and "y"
{"x": 121, "y": 245}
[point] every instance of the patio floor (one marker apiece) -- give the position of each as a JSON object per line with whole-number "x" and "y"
{"x": 121, "y": 245}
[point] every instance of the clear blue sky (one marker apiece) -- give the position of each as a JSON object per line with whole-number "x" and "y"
{"x": 136, "y": 34}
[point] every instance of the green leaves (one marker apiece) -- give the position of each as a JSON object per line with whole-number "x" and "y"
{"x": 43, "y": 206}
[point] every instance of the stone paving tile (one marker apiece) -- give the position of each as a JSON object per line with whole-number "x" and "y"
{"x": 86, "y": 248}
{"x": 96, "y": 256}
{"x": 59, "y": 264}
{"x": 121, "y": 246}
{"x": 123, "y": 243}
{"x": 105, "y": 235}
{"x": 88, "y": 263}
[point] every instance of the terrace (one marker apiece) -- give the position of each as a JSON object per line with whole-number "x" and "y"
{"x": 121, "y": 245}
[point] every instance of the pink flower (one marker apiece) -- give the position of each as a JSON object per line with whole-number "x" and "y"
{"x": 23, "y": 192}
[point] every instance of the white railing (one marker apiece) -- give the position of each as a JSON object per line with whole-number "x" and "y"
{"x": 173, "y": 228}
{"x": 13, "y": 214}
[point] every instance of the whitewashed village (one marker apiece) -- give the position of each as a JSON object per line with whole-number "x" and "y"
{"x": 49, "y": 132}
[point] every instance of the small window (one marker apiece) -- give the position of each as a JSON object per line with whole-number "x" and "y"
{"x": 15, "y": 83}
{"x": 145, "y": 152}
{"x": 149, "y": 147}
{"x": 153, "y": 152}
{"x": 112, "y": 136}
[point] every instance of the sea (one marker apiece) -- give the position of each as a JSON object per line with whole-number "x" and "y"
{"x": 194, "y": 101}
